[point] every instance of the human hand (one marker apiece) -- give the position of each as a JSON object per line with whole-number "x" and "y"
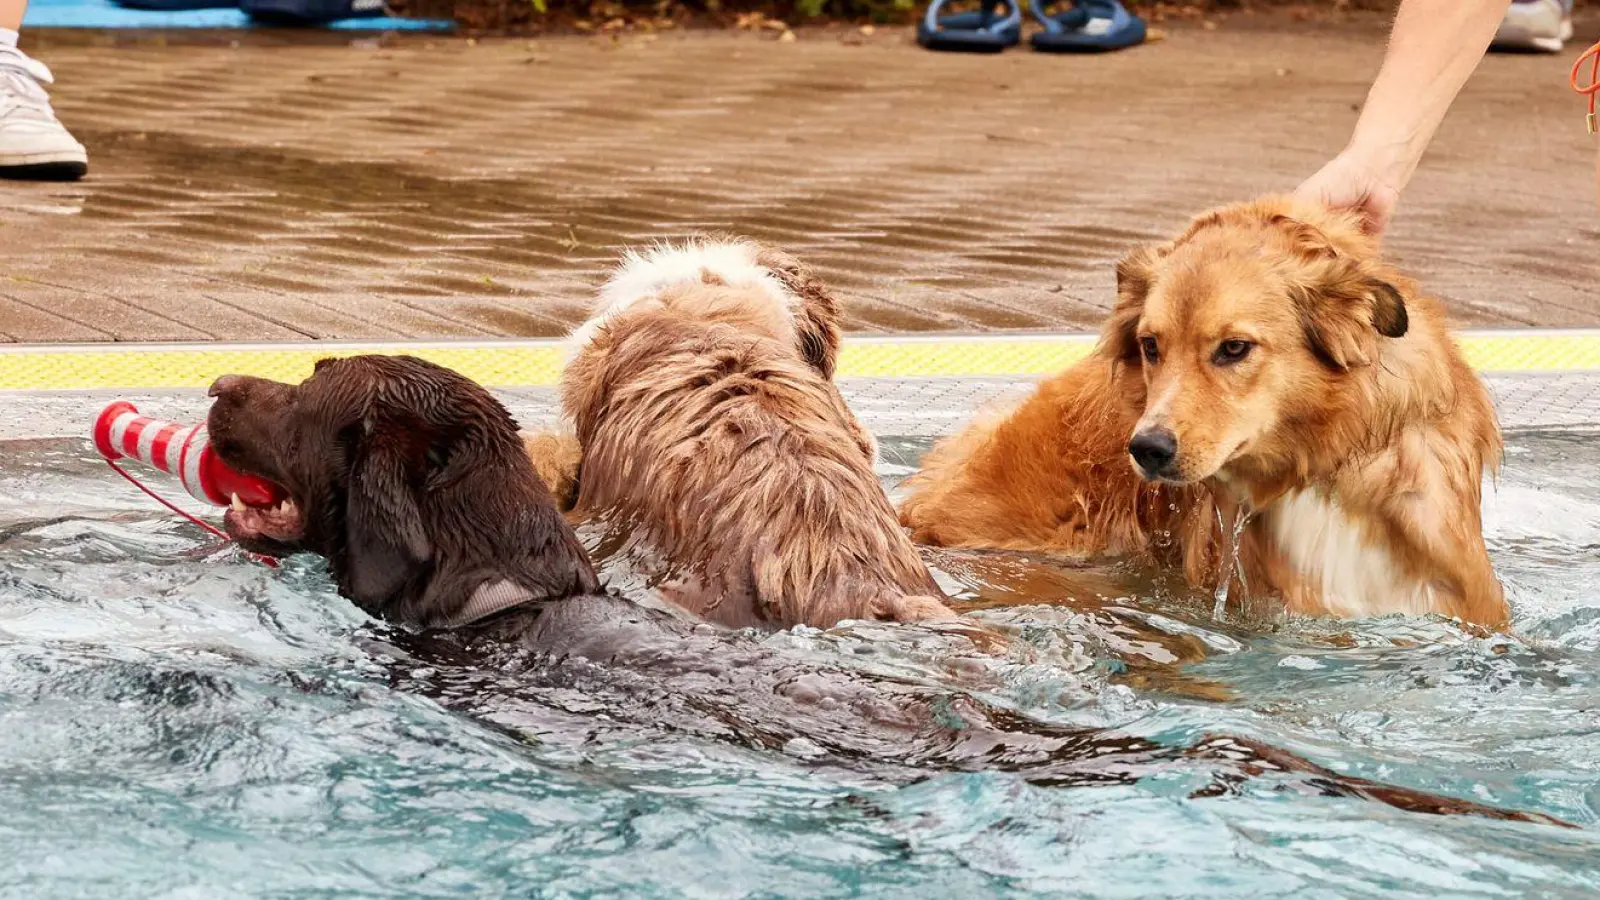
{"x": 1359, "y": 182}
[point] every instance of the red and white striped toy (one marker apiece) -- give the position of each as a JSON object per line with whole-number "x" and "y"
{"x": 179, "y": 450}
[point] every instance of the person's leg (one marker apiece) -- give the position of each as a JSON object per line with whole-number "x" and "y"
{"x": 33, "y": 144}
{"x": 1539, "y": 25}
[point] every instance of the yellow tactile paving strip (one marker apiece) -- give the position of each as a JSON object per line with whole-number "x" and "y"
{"x": 538, "y": 363}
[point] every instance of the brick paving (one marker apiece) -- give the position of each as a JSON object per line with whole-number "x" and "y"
{"x": 321, "y": 188}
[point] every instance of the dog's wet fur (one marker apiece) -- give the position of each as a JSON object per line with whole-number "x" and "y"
{"x": 412, "y": 482}
{"x": 1265, "y": 368}
{"x": 701, "y": 394}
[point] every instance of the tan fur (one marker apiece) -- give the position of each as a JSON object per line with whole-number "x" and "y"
{"x": 1325, "y": 413}
{"x": 709, "y": 426}
{"x": 556, "y": 457}
{"x": 817, "y": 334}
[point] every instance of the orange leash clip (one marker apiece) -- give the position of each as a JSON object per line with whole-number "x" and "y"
{"x": 1592, "y": 57}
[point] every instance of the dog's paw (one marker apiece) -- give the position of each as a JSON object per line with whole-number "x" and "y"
{"x": 914, "y": 609}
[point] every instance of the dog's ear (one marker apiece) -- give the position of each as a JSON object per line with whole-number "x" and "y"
{"x": 1119, "y": 338}
{"x": 1306, "y": 241}
{"x": 817, "y": 321}
{"x": 1345, "y": 312}
{"x": 819, "y": 338}
{"x": 385, "y": 541}
{"x": 1344, "y": 308}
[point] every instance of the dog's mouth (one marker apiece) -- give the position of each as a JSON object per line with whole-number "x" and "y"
{"x": 1223, "y": 471}
{"x": 272, "y": 524}
{"x": 254, "y": 526}
{"x": 1231, "y": 460}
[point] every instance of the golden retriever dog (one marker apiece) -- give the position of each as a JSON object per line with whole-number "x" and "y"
{"x": 1271, "y": 407}
{"x": 708, "y": 424}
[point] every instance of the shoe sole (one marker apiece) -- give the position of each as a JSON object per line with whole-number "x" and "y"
{"x": 57, "y": 170}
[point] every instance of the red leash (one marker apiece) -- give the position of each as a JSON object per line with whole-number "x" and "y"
{"x": 1592, "y": 57}
{"x": 264, "y": 560}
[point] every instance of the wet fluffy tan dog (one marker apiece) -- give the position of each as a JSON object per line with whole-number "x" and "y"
{"x": 708, "y": 422}
{"x": 1266, "y": 363}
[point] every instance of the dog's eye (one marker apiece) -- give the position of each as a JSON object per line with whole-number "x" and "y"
{"x": 1231, "y": 352}
{"x": 1148, "y": 347}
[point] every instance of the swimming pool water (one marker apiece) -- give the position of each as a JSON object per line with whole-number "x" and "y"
{"x": 178, "y": 722}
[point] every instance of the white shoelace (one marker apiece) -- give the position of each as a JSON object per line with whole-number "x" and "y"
{"x": 22, "y": 81}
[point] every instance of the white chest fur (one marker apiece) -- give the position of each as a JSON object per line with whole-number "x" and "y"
{"x": 1350, "y": 569}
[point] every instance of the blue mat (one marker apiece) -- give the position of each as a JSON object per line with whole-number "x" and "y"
{"x": 105, "y": 14}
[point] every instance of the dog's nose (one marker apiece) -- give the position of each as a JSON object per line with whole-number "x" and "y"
{"x": 1154, "y": 450}
{"x": 227, "y": 384}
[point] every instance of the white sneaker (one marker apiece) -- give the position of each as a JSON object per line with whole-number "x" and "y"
{"x": 33, "y": 143}
{"x": 1535, "y": 25}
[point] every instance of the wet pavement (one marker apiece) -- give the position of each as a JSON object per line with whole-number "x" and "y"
{"x": 284, "y": 189}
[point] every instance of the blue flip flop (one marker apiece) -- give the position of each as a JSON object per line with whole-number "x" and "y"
{"x": 1090, "y": 26}
{"x": 178, "y": 5}
{"x": 309, "y": 12}
{"x": 972, "y": 32}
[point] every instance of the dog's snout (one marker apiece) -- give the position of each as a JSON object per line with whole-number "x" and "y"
{"x": 227, "y": 384}
{"x": 1154, "y": 451}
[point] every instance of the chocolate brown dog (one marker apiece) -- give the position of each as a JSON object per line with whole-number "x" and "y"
{"x": 413, "y": 483}
{"x": 409, "y": 479}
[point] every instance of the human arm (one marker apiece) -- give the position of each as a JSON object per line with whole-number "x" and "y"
{"x": 1433, "y": 48}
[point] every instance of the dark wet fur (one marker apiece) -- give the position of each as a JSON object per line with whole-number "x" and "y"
{"x": 442, "y": 468}
{"x": 413, "y": 482}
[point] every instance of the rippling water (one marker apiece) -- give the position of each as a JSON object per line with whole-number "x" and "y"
{"x": 178, "y": 722}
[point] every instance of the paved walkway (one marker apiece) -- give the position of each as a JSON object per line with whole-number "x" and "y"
{"x": 441, "y": 188}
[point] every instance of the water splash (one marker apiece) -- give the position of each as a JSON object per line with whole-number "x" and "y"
{"x": 1231, "y": 567}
